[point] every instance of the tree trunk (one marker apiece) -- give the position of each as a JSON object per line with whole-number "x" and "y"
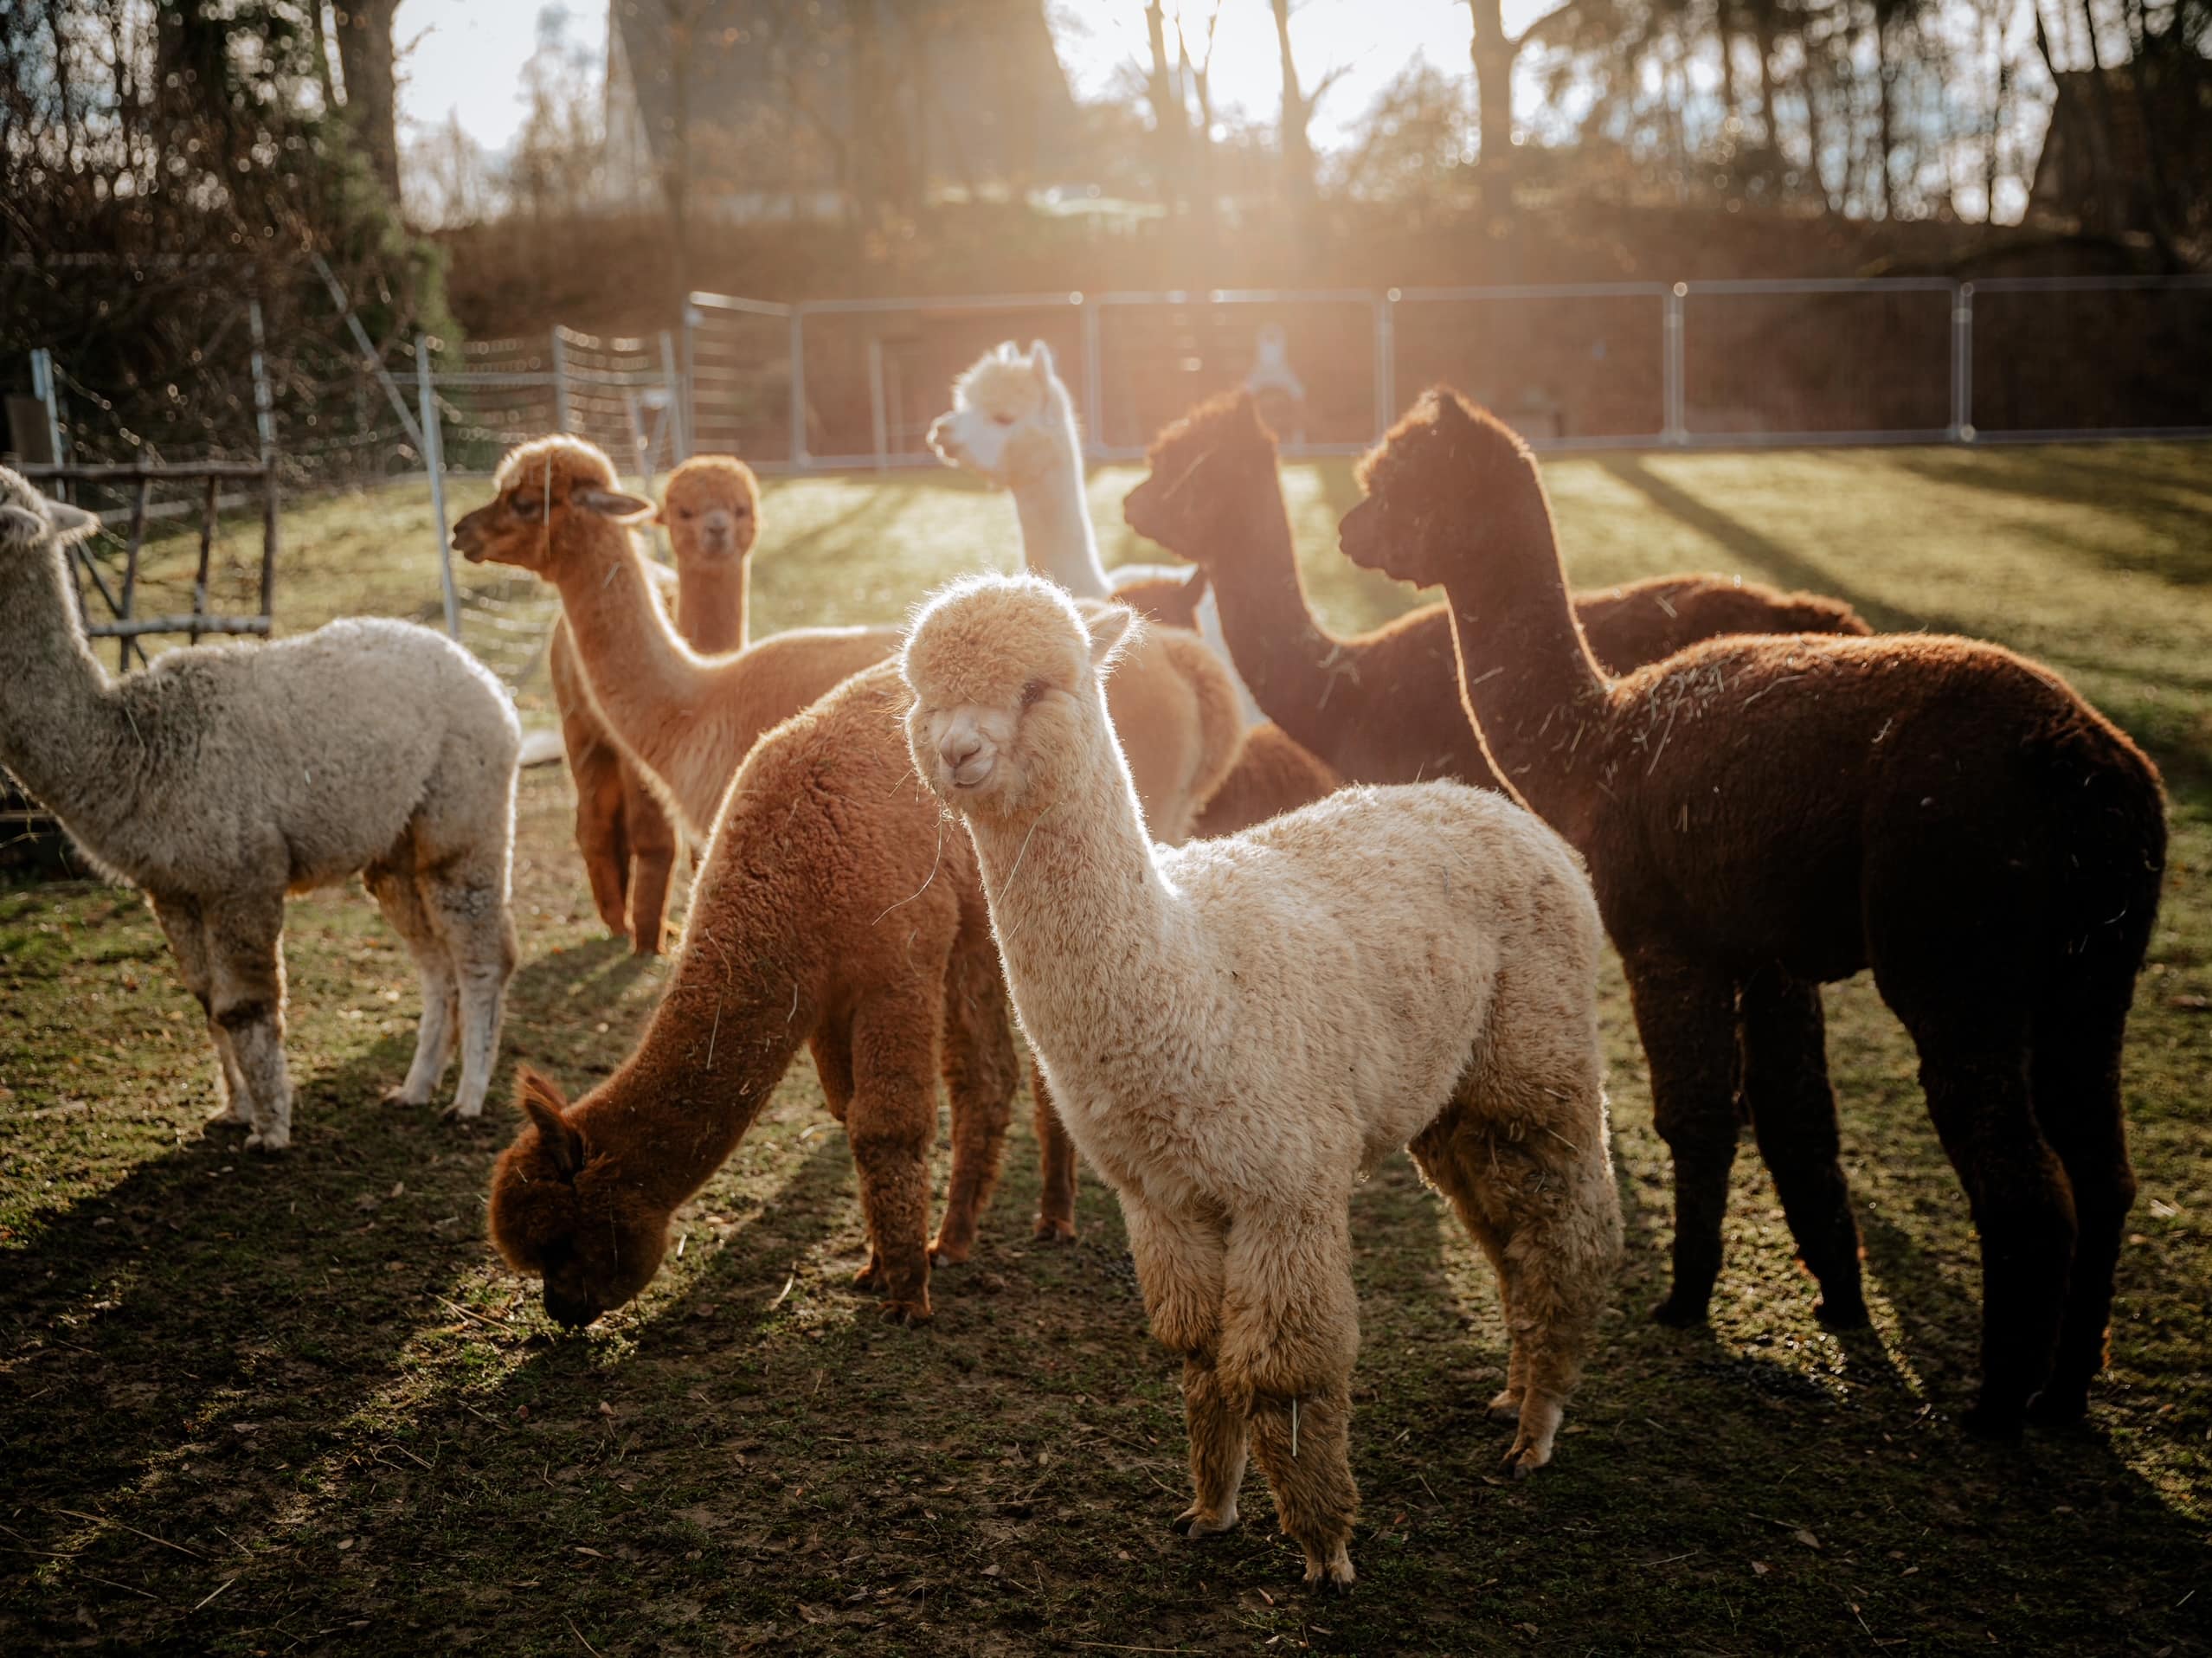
{"x": 364, "y": 41}
{"x": 1297, "y": 147}
{"x": 1883, "y": 73}
{"x": 1494, "y": 52}
{"x": 1170, "y": 120}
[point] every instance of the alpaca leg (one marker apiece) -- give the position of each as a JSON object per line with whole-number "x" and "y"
{"x": 602, "y": 830}
{"x": 246, "y": 997}
{"x": 1179, "y": 1265}
{"x": 1686, "y": 1016}
{"x": 438, "y": 1031}
{"x": 1445, "y": 1155}
{"x": 654, "y": 841}
{"x": 980, "y": 1074}
{"x": 467, "y": 904}
{"x": 890, "y": 1124}
{"x": 1290, "y": 1332}
{"x": 1055, "y": 1221}
{"x": 186, "y": 930}
{"x": 832, "y": 1046}
{"x": 2075, "y": 1078}
{"x": 1793, "y": 1116}
{"x": 2017, "y": 1192}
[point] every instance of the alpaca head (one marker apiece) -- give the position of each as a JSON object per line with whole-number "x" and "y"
{"x": 1010, "y": 418}
{"x": 34, "y": 530}
{"x": 1446, "y": 482}
{"x": 712, "y": 509}
{"x": 563, "y": 1210}
{"x": 1009, "y": 704}
{"x": 1206, "y": 468}
{"x": 546, "y": 488}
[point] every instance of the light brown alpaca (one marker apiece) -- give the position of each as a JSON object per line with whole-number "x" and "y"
{"x": 711, "y": 512}
{"x": 838, "y": 910}
{"x": 1239, "y": 1030}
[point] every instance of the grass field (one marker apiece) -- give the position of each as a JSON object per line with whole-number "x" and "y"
{"x": 254, "y": 1406}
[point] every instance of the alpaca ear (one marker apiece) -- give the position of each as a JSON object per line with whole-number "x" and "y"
{"x": 1009, "y": 352}
{"x": 20, "y": 526}
{"x": 1040, "y": 362}
{"x": 1109, "y": 629}
{"x": 612, "y": 504}
{"x": 541, "y": 1103}
{"x": 72, "y": 520}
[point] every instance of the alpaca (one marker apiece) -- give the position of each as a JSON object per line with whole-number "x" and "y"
{"x": 1239, "y": 1030}
{"x": 1383, "y": 707}
{"x": 1762, "y": 815}
{"x": 711, "y": 512}
{"x": 835, "y": 909}
{"x": 1014, "y": 423}
{"x": 223, "y": 777}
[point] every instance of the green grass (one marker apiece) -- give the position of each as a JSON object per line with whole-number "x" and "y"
{"x": 307, "y": 1389}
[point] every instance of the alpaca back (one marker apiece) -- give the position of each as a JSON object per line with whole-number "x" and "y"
{"x": 307, "y": 758}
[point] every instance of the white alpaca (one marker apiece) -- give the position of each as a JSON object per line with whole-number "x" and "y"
{"x": 1014, "y": 423}
{"x": 223, "y": 777}
{"x": 1237, "y": 1031}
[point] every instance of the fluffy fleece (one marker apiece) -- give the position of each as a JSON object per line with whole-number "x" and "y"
{"x": 837, "y": 909}
{"x": 1383, "y": 707}
{"x": 222, "y": 778}
{"x": 1761, "y": 815}
{"x": 710, "y": 509}
{"x": 1239, "y": 1030}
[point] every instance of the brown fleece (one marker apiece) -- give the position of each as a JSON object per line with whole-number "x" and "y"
{"x": 1763, "y": 815}
{"x": 1383, "y": 707}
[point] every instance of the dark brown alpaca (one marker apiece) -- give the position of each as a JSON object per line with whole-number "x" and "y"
{"x": 1761, "y": 815}
{"x": 1384, "y": 707}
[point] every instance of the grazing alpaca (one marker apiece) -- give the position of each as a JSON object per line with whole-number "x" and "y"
{"x": 223, "y": 777}
{"x": 836, "y": 908}
{"x": 1761, "y": 815}
{"x": 1014, "y": 423}
{"x": 1239, "y": 1030}
{"x": 711, "y": 512}
{"x": 1384, "y": 707}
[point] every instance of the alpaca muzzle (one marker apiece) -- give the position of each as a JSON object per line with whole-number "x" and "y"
{"x": 966, "y": 757}
{"x": 567, "y": 1314}
{"x": 944, "y": 438}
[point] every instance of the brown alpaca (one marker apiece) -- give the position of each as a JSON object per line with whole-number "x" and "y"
{"x": 1762, "y": 815}
{"x": 839, "y": 909}
{"x": 1384, "y": 707}
{"x": 711, "y": 512}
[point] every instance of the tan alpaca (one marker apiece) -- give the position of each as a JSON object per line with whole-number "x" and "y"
{"x": 224, "y": 777}
{"x": 1239, "y": 1030}
{"x": 711, "y": 512}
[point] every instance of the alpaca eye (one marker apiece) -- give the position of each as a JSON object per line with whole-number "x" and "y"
{"x": 1003, "y": 420}
{"x": 525, "y": 503}
{"x": 1031, "y": 692}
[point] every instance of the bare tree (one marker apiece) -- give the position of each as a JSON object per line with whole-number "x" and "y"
{"x": 364, "y": 43}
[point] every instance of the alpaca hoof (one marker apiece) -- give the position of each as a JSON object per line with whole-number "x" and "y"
{"x": 399, "y": 1096}
{"x": 2061, "y": 1411}
{"x": 950, "y": 1255}
{"x": 224, "y": 1117}
{"x": 1834, "y": 1313}
{"x": 1678, "y": 1312}
{"x": 270, "y": 1139}
{"x": 1197, "y": 1523}
{"x": 871, "y": 1276}
{"x": 1505, "y": 1408}
{"x": 1331, "y": 1576}
{"x": 1524, "y": 1459}
{"x": 1999, "y": 1425}
{"x": 458, "y": 1113}
{"x": 910, "y": 1314}
{"x": 1049, "y": 1230}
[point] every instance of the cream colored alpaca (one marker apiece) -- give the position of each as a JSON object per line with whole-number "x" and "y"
{"x": 1239, "y": 1030}
{"x": 223, "y": 777}
{"x": 1013, "y": 422}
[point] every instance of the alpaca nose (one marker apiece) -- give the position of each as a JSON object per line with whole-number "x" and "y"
{"x": 965, "y": 763}
{"x": 942, "y": 437}
{"x": 568, "y": 1315}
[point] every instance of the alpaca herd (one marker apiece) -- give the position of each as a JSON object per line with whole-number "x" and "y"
{"x": 1268, "y": 903}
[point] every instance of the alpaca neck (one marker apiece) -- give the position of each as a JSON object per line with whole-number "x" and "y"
{"x": 64, "y": 731}
{"x": 1057, "y": 541}
{"x": 1525, "y": 674}
{"x": 1080, "y": 908}
{"x": 712, "y": 1055}
{"x": 1287, "y": 659}
{"x": 710, "y": 599}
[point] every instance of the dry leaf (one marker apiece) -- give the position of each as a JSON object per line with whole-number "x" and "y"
{"x": 1807, "y": 1539}
{"x": 1759, "y": 1568}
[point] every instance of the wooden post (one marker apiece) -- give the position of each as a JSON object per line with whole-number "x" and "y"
{"x": 207, "y": 550}
{"x": 433, "y": 456}
{"x": 269, "y": 535}
{"x": 130, "y": 569}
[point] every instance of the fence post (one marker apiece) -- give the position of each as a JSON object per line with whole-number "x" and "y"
{"x": 1385, "y": 361}
{"x": 43, "y": 387}
{"x": 879, "y": 416}
{"x": 265, "y": 429}
{"x": 433, "y": 456}
{"x": 679, "y": 443}
{"x": 692, "y": 318}
{"x": 798, "y": 387}
{"x": 1094, "y": 376}
{"x": 560, "y": 382}
{"x": 1672, "y": 422}
{"x": 1962, "y": 364}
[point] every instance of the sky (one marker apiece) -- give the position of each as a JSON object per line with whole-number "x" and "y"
{"x": 464, "y": 57}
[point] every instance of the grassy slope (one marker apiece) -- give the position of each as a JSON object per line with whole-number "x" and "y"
{"x": 313, "y": 1384}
